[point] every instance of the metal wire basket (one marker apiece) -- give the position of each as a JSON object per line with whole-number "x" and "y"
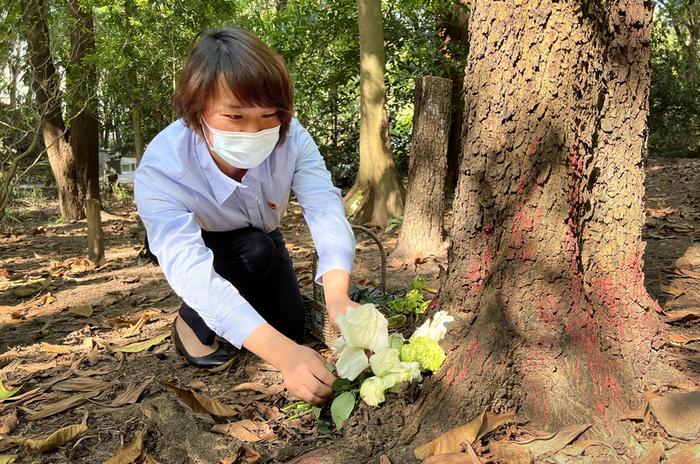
{"x": 318, "y": 324}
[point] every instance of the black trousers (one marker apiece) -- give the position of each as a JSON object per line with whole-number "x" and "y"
{"x": 259, "y": 266}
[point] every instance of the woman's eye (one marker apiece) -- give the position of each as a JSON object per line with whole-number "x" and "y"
{"x": 271, "y": 115}
{"x": 235, "y": 116}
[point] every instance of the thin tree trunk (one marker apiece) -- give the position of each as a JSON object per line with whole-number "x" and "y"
{"x": 422, "y": 231}
{"x": 137, "y": 121}
{"x": 377, "y": 195}
{"x": 453, "y": 46}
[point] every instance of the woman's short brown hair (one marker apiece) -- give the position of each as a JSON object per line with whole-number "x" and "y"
{"x": 243, "y": 64}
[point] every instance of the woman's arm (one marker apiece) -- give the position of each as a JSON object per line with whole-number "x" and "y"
{"x": 336, "y": 287}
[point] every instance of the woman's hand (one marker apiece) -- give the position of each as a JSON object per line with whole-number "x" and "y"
{"x": 303, "y": 370}
{"x": 306, "y": 376}
{"x": 339, "y": 305}
{"x": 336, "y": 286}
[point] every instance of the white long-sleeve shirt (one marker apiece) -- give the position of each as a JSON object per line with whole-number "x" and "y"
{"x": 179, "y": 191}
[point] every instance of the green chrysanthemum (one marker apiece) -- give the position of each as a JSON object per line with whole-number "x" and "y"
{"x": 426, "y": 351}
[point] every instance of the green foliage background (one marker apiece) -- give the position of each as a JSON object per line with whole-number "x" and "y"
{"x": 141, "y": 45}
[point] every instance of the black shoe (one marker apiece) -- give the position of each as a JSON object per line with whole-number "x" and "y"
{"x": 215, "y": 359}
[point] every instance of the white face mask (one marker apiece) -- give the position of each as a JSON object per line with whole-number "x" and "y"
{"x": 243, "y": 150}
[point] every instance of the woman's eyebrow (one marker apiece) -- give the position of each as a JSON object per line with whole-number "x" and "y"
{"x": 240, "y": 107}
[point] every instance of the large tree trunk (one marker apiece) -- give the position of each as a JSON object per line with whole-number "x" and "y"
{"x": 377, "y": 195}
{"x": 83, "y": 88}
{"x": 45, "y": 81}
{"x": 546, "y": 263}
{"x": 422, "y": 231}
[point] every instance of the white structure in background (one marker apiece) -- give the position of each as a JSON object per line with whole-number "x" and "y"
{"x": 128, "y": 167}
{"x": 115, "y": 162}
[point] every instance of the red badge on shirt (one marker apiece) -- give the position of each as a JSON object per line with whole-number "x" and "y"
{"x": 271, "y": 205}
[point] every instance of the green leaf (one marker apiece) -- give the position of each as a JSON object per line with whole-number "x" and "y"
{"x": 396, "y": 320}
{"x": 5, "y": 393}
{"x": 342, "y": 385}
{"x": 341, "y": 408}
{"x": 323, "y": 426}
{"x": 141, "y": 346}
{"x": 393, "y": 225}
{"x": 316, "y": 411}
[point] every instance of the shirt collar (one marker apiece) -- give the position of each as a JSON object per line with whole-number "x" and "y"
{"x": 222, "y": 186}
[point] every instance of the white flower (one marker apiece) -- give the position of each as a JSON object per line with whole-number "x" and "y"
{"x": 372, "y": 391}
{"x": 364, "y": 327}
{"x": 384, "y": 360}
{"x": 338, "y": 346}
{"x": 405, "y": 371}
{"x": 434, "y": 329}
{"x": 352, "y": 362}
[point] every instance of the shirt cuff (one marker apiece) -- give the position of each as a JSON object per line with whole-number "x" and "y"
{"x": 339, "y": 259}
{"x": 236, "y": 326}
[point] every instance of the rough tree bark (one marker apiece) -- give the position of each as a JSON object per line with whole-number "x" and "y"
{"x": 545, "y": 272}
{"x": 45, "y": 82}
{"x": 82, "y": 85}
{"x": 377, "y": 195}
{"x": 422, "y": 231}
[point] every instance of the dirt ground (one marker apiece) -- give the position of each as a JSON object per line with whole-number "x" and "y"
{"x": 62, "y": 322}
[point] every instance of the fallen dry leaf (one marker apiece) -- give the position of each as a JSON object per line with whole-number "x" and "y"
{"x": 512, "y": 453}
{"x": 451, "y": 458}
{"x": 58, "y": 438}
{"x": 245, "y": 430}
{"x": 384, "y": 459}
{"x": 84, "y": 310}
{"x": 27, "y": 290}
{"x": 678, "y": 413}
{"x": 199, "y": 385}
{"x": 8, "y": 458}
{"x": 59, "y": 349}
{"x": 450, "y": 442}
{"x": 652, "y": 456}
{"x": 202, "y": 404}
{"x": 141, "y": 346}
{"x": 83, "y": 384}
{"x": 683, "y": 315}
{"x": 672, "y": 290}
{"x": 244, "y": 455}
{"x": 258, "y": 387}
{"x": 685, "y": 454}
{"x": 9, "y": 422}
{"x": 59, "y": 406}
{"x": 680, "y": 339}
{"x": 129, "y": 452}
{"x": 271, "y": 413}
{"x": 552, "y": 443}
{"x": 132, "y": 393}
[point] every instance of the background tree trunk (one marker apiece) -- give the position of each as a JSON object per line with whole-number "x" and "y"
{"x": 422, "y": 231}
{"x": 545, "y": 272}
{"x": 454, "y": 46}
{"x": 45, "y": 81}
{"x": 82, "y": 85}
{"x": 377, "y": 195}
{"x": 137, "y": 122}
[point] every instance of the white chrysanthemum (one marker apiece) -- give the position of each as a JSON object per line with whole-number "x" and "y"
{"x": 434, "y": 329}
